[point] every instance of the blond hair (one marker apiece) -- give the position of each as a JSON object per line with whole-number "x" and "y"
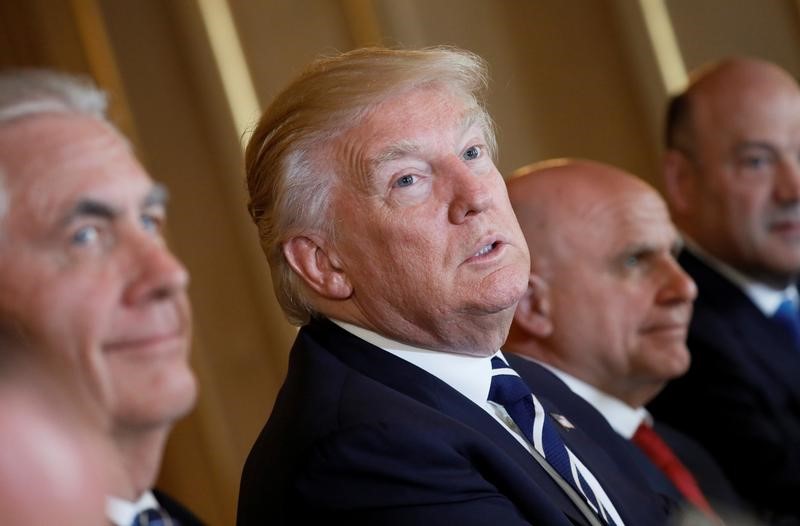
{"x": 288, "y": 181}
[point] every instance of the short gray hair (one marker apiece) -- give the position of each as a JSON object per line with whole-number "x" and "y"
{"x": 25, "y": 92}
{"x": 30, "y": 92}
{"x": 289, "y": 186}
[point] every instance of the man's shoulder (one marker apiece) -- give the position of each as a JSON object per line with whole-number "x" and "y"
{"x": 373, "y": 444}
{"x": 176, "y": 510}
{"x": 714, "y": 287}
{"x": 558, "y": 396}
{"x": 725, "y": 321}
{"x": 345, "y": 406}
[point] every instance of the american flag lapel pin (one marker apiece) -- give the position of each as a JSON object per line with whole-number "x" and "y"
{"x": 562, "y": 421}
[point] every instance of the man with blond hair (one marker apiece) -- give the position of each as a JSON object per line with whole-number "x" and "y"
{"x": 391, "y": 240}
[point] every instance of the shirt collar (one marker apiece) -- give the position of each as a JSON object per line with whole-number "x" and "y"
{"x": 123, "y": 512}
{"x": 622, "y": 417}
{"x": 469, "y": 375}
{"x": 765, "y": 298}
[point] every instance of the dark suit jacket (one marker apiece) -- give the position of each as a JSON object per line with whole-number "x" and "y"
{"x": 177, "y": 510}
{"x": 708, "y": 474}
{"x": 623, "y": 451}
{"x": 359, "y": 436}
{"x": 710, "y": 477}
{"x": 741, "y": 396}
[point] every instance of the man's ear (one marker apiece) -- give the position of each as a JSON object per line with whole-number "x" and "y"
{"x": 678, "y": 181}
{"x": 533, "y": 311}
{"x": 319, "y": 266}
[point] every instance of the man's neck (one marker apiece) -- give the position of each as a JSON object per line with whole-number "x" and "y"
{"x": 764, "y": 296}
{"x": 741, "y": 277}
{"x": 140, "y": 455}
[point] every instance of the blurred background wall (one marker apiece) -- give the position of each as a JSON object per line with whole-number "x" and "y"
{"x": 579, "y": 78}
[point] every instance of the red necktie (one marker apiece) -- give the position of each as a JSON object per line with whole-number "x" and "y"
{"x": 663, "y": 457}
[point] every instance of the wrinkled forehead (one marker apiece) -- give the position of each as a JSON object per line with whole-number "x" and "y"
{"x": 632, "y": 214}
{"x": 47, "y": 160}
{"x": 749, "y": 112}
{"x": 418, "y": 123}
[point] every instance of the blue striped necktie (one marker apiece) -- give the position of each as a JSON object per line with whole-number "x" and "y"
{"x": 510, "y": 391}
{"x": 789, "y": 318}
{"x": 153, "y": 517}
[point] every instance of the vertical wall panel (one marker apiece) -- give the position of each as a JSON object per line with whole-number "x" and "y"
{"x": 712, "y": 29}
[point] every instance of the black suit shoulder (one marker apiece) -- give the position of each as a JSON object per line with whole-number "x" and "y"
{"x": 359, "y": 436}
{"x": 624, "y": 453}
{"x": 342, "y": 447}
{"x": 712, "y": 481}
{"x": 740, "y": 398}
{"x": 177, "y": 510}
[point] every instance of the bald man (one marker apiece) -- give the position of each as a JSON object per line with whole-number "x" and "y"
{"x": 608, "y": 305}
{"x": 732, "y": 179}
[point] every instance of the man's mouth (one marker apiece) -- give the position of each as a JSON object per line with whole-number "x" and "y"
{"x": 486, "y": 249}
{"x": 155, "y": 342}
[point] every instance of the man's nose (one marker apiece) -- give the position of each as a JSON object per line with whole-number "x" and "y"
{"x": 471, "y": 192}
{"x": 787, "y": 181}
{"x": 678, "y": 285}
{"x": 156, "y": 273}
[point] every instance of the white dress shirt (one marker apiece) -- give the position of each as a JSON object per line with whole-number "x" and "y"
{"x": 623, "y": 418}
{"x": 765, "y": 298}
{"x": 122, "y": 512}
{"x": 469, "y": 375}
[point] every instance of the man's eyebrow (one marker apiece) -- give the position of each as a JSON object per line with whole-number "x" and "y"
{"x": 637, "y": 247}
{"x": 157, "y": 196}
{"x": 394, "y": 151}
{"x": 745, "y": 145}
{"x": 90, "y": 208}
{"x": 403, "y": 148}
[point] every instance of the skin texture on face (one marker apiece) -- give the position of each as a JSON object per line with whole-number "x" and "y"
{"x": 427, "y": 250}
{"x": 735, "y": 186}
{"x": 608, "y": 303}
{"x": 85, "y": 271}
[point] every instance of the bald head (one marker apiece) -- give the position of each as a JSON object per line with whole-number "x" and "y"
{"x": 607, "y": 302}
{"x": 732, "y": 169}
{"x": 554, "y": 198}
{"x": 722, "y": 92}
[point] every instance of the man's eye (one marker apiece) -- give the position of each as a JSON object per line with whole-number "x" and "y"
{"x": 151, "y": 223}
{"x": 472, "y": 153}
{"x": 632, "y": 260}
{"x": 85, "y": 236}
{"x": 755, "y": 162}
{"x": 405, "y": 180}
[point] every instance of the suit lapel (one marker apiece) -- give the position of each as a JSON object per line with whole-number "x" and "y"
{"x": 763, "y": 341}
{"x": 430, "y": 391}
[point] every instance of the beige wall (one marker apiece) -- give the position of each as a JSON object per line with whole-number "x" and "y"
{"x": 585, "y": 78}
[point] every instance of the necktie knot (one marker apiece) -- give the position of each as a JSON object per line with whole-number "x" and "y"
{"x": 154, "y": 517}
{"x": 513, "y": 394}
{"x": 786, "y": 310}
{"x": 506, "y": 387}
{"x": 787, "y": 316}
